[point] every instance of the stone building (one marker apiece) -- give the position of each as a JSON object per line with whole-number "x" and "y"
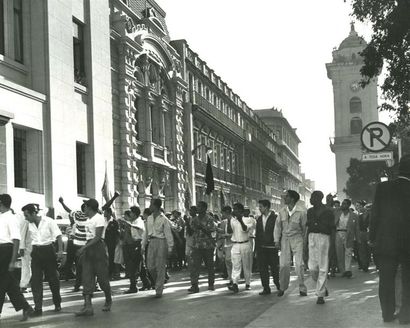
{"x": 288, "y": 150}
{"x": 354, "y": 107}
{"x": 97, "y": 88}
{"x": 55, "y": 91}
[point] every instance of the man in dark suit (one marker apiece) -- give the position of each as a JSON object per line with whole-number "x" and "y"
{"x": 390, "y": 235}
{"x": 267, "y": 254}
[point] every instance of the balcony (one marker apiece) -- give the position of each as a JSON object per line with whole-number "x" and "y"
{"x": 211, "y": 110}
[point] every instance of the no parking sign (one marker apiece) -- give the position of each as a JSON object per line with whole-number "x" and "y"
{"x": 375, "y": 136}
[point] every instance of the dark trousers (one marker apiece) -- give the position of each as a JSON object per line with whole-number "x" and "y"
{"x": 68, "y": 266}
{"x": 387, "y": 273}
{"x": 268, "y": 259}
{"x": 8, "y": 283}
{"x": 199, "y": 255}
{"x": 95, "y": 264}
{"x": 132, "y": 259}
{"x": 112, "y": 268}
{"x": 78, "y": 267}
{"x": 364, "y": 251}
{"x": 44, "y": 263}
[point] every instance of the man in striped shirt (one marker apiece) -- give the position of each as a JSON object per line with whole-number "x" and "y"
{"x": 79, "y": 220}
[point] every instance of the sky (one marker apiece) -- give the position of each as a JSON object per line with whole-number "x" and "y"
{"x": 273, "y": 54}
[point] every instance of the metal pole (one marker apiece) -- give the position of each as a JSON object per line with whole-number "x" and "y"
{"x": 399, "y": 147}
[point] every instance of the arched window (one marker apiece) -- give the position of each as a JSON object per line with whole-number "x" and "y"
{"x": 356, "y": 125}
{"x": 355, "y": 105}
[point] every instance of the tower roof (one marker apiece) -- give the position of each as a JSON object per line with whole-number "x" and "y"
{"x": 353, "y": 40}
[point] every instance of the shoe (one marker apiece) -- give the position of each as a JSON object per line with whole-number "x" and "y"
{"x": 326, "y": 292}
{"x": 107, "y": 306}
{"x": 390, "y": 319}
{"x": 158, "y": 296}
{"x": 87, "y": 309}
{"x": 247, "y": 287}
{"x": 27, "y": 313}
{"x": 145, "y": 288}
{"x": 36, "y": 313}
{"x": 76, "y": 289}
{"x": 211, "y": 287}
{"x": 131, "y": 291}
{"x": 348, "y": 274}
{"x": 57, "y": 308}
{"x": 193, "y": 289}
{"x": 235, "y": 288}
{"x": 265, "y": 292}
{"x": 302, "y": 294}
{"x": 281, "y": 293}
{"x": 320, "y": 300}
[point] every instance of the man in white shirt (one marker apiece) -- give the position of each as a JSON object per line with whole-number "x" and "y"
{"x": 94, "y": 259}
{"x": 9, "y": 246}
{"x": 241, "y": 247}
{"x": 43, "y": 232}
{"x": 25, "y": 253}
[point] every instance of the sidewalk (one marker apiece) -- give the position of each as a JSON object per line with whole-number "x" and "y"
{"x": 351, "y": 303}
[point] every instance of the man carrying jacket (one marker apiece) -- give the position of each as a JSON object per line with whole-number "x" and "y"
{"x": 289, "y": 234}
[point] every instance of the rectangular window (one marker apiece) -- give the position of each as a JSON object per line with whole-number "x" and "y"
{"x": 1, "y": 27}
{"x": 20, "y": 158}
{"x": 81, "y": 169}
{"x": 218, "y": 155}
{"x": 78, "y": 52}
{"x": 18, "y": 30}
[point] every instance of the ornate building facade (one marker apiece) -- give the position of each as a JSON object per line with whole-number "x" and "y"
{"x": 97, "y": 88}
{"x": 354, "y": 107}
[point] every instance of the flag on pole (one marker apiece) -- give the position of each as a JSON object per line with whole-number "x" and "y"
{"x": 106, "y": 187}
{"x": 209, "y": 177}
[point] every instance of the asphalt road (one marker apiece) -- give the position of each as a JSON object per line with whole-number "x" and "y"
{"x": 219, "y": 308}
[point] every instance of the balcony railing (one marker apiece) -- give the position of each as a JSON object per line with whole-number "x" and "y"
{"x": 218, "y": 115}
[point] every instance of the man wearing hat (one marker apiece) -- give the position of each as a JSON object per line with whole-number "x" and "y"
{"x": 43, "y": 231}
{"x": 390, "y": 236}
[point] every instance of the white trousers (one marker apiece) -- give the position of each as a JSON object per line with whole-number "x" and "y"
{"x": 343, "y": 253}
{"x": 319, "y": 260}
{"x": 291, "y": 245}
{"x": 241, "y": 258}
{"x": 25, "y": 269}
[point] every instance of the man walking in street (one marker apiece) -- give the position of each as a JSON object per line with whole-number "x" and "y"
{"x": 203, "y": 247}
{"x": 9, "y": 246}
{"x": 346, "y": 234}
{"x": 43, "y": 232}
{"x": 320, "y": 222}
{"x": 289, "y": 235}
{"x": 390, "y": 235}
{"x": 94, "y": 259}
{"x": 241, "y": 247}
{"x": 267, "y": 253}
{"x": 79, "y": 220}
{"x": 227, "y": 243}
{"x": 363, "y": 222}
{"x": 158, "y": 238}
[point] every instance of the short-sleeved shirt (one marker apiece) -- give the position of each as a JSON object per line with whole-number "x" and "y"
{"x": 45, "y": 233}
{"x": 9, "y": 228}
{"x": 92, "y": 224}
{"x": 80, "y": 235}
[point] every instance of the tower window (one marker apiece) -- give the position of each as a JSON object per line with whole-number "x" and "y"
{"x": 18, "y": 30}
{"x": 78, "y": 52}
{"x": 355, "y": 105}
{"x": 356, "y": 125}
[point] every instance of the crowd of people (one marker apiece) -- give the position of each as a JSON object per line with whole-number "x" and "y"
{"x": 322, "y": 239}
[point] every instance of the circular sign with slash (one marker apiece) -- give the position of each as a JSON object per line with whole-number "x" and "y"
{"x": 375, "y": 136}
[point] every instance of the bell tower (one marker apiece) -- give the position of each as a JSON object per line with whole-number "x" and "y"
{"x": 354, "y": 107}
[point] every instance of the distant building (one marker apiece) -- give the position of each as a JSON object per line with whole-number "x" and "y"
{"x": 354, "y": 107}
{"x": 91, "y": 89}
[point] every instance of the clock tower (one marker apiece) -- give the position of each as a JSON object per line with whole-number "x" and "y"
{"x": 354, "y": 107}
